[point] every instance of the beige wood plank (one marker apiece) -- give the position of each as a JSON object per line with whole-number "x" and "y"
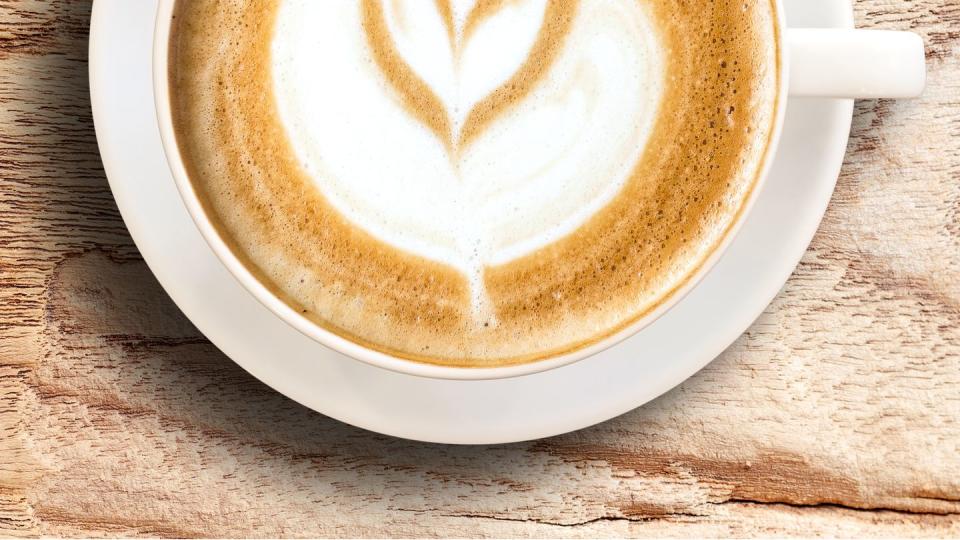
{"x": 837, "y": 413}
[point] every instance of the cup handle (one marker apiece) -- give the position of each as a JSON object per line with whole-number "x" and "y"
{"x": 836, "y": 63}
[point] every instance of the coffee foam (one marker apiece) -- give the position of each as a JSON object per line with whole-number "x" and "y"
{"x": 538, "y": 164}
{"x": 484, "y": 201}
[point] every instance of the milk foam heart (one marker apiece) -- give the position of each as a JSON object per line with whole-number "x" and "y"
{"x": 533, "y": 174}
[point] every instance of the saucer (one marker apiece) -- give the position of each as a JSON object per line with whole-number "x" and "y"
{"x": 754, "y": 268}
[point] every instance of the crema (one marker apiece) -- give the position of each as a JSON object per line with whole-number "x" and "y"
{"x": 467, "y": 182}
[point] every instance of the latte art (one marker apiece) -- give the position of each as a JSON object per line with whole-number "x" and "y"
{"x": 473, "y": 182}
{"x": 455, "y": 143}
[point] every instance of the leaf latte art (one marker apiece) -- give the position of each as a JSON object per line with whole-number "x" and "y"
{"x": 485, "y": 148}
{"x": 473, "y": 182}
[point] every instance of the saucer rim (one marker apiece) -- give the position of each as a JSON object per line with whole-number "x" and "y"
{"x": 122, "y": 140}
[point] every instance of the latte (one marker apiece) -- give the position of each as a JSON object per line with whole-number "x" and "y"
{"x": 474, "y": 183}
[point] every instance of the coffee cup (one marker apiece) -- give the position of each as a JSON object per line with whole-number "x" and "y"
{"x": 451, "y": 280}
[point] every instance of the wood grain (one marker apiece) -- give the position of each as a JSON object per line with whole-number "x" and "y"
{"x": 837, "y": 413}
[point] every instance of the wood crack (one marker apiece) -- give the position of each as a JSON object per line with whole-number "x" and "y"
{"x": 839, "y": 506}
{"x": 678, "y": 515}
{"x": 673, "y": 516}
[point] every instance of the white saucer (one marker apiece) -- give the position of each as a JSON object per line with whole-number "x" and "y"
{"x": 727, "y": 301}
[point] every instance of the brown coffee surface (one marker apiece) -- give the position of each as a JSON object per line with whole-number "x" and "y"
{"x": 699, "y": 166}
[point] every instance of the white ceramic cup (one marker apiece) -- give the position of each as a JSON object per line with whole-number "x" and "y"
{"x": 826, "y": 63}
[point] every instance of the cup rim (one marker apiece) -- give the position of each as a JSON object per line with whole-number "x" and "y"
{"x": 345, "y": 346}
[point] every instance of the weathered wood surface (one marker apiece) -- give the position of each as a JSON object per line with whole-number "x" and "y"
{"x": 836, "y": 413}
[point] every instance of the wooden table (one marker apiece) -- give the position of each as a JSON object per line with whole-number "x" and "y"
{"x": 837, "y": 413}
